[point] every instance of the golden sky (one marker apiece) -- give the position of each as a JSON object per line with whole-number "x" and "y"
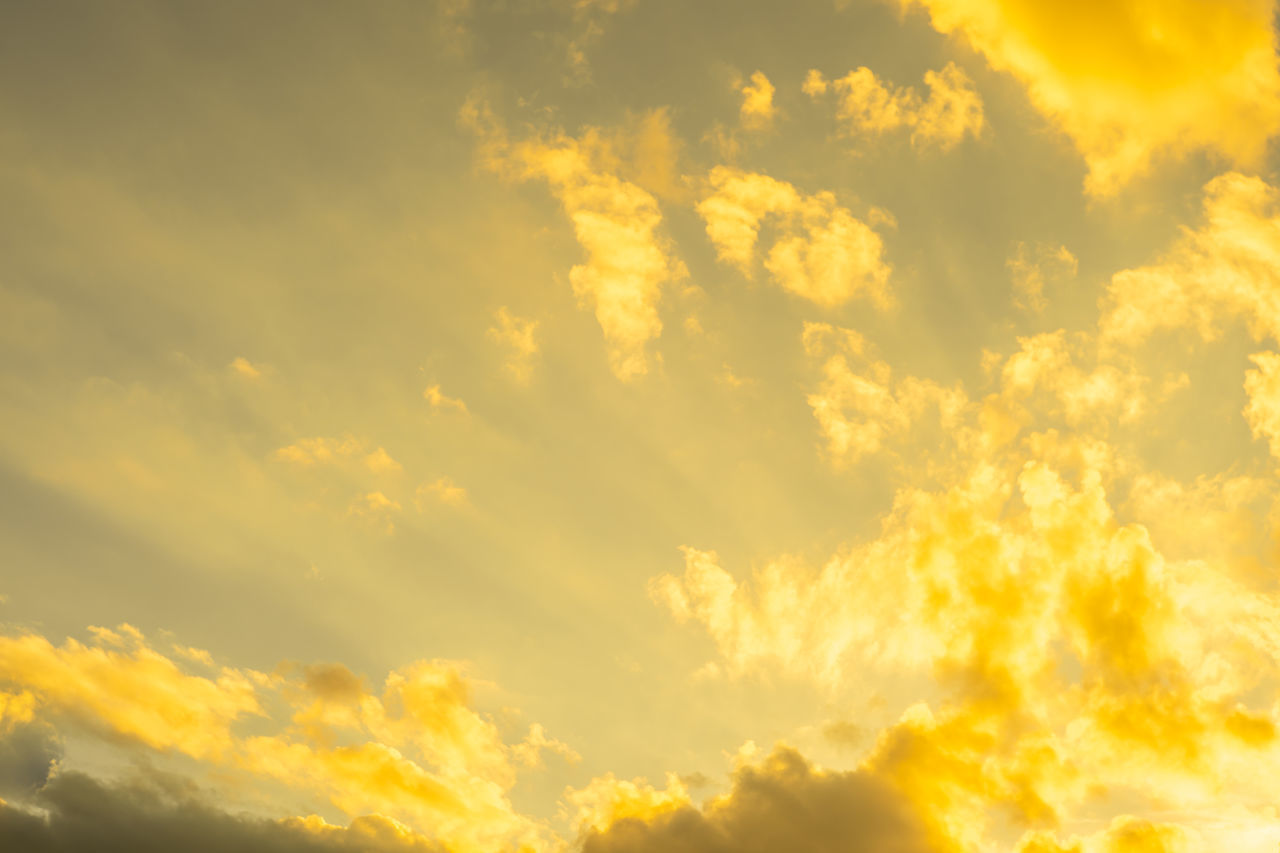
{"x": 639, "y": 426}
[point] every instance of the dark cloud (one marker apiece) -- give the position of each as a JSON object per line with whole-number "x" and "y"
{"x": 27, "y": 753}
{"x": 158, "y": 814}
{"x": 781, "y": 806}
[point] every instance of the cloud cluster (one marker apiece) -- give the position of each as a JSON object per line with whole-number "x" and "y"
{"x": 1071, "y": 655}
{"x": 1131, "y": 82}
{"x": 616, "y": 221}
{"x": 161, "y": 814}
{"x": 1227, "y": 269}
{"x": 414, "y": 751}
{"x": 757, "y": 111}
{"x": 820, "y": 251}
{"x": 868, "y": 108}
{"x": 781, "y": 803}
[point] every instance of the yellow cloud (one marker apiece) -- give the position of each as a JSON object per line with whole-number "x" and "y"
{"x": 1068, "y": 652}
{"x": 1229, "y": 267}
{"x": 859, "y": 411}
{"x": 1263, "y": 410}
{"x": 122, "y": 688}
{"x": 606, "y": 800}
{"x": 377, "y": 509}
{"x": 416, "y": 752}
{"x": 519, "y": 336}
{"x": 1132, "y": 82}
{"x": 616, "y": 222}
{"x": 242, "y": 367}
{"x": 779, "y": 802}
{"x": 325, "y": 451}
{"x": 441, "y": 490}
{"x": 757, "y": 111}
{"x": 867, "y": 107}
{"x": 439, "y": 400}
{"x": 1031, "y": 267}
{"x": 820, "y": 251}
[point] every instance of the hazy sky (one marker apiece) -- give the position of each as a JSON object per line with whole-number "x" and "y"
{"x": 623, "y": 426}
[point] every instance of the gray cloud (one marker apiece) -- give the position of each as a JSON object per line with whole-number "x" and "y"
{"x": 161, "y": 814}
{"x": 784, "y": 804}
{"x": 27, "y": 753}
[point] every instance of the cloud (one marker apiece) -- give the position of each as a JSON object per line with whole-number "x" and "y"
{"x": 122, "y": 688}
{"x": 1031, "y": 267}
{"x": 519, "y": 336}
{"x": 757, "y": 111}
{"x": 1068, "y": 652}
{"x": 1228, "y": 267}
{"x": 607, "y": 800}
{"x": 307, "y": 452}
{"x": 28, "y": 752}
{"x": 859, "y": 410}
{"x": 242, "y": 367}
{"x": 1131, "y": 83}
{"x": 442, "y": 490}
{"x": 782, "y": 803}
{"x": 869, "y": 108}
{"x": 413, "y": 751}
{"x": 616, "y": 221}
{"x": 160, "y": 814}
{"x": 439, "y": 400}
{"x": 820, "y": 251}
{"x": 376, "y": 509}
{"x": 1263, "y": 410}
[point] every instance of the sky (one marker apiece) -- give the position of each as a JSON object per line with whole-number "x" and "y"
{"x": 623, "y": 426}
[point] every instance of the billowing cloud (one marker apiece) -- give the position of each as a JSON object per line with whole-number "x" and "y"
{"x": 1068, "y": 652}
{"x": 820, "y": 251}
{"x": 1133, "y": 82}
{"x": 160, "y": 814}
{"x": 861, "y": 409}
{"x": 1263, "y": 410}
{"x": 869, "y": 108}
{"x": 757, "y": 111}
{"x": 120, "y": 687}
{"x": 414, "y": 752}
{"x": 781, "y": 803}
{"x": 616, "y": 221}
{"x": 1227, "y": 268}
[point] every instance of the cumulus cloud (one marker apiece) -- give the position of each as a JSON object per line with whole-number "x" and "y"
{"x": 1227, "y": 268}
{"x": 757, "y": 111}
{"x": 1133, "y": 82}
{"x": 160, "y": 814}
{"x": 858, "y": 404}
{"x": 820, "y": 251}
{"x": 414, "y": 751}
{"x": 781, "y": 803}
{"x": 1069, "y": 651}
{"x": 869, "y": 108}
{"x": 28, "y": 752}
{"x": 616, "y": 221}
{"x": 1263, "y": 410}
